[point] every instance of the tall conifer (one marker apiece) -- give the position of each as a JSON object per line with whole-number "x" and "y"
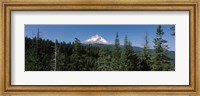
{"x": 116, "y": 54}
{"x": 161, "y": 59}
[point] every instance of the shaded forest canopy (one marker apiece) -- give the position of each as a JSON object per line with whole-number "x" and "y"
{"x": 46, "y": 55}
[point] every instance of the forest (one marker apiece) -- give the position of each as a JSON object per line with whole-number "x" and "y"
{"x": 46, "y": 55}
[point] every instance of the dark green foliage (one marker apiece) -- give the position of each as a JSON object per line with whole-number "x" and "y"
{"x": 69, "y": 57}
{"x": 133, "y": 59}
{"x": 138, "y": 50}
{"x": 161, "y": 60}
{"x": 46, "y": 55}
{"x": 38, "y": 58}
{"x": 116, "y": 54}
{"x": 145, "y": 56}
{"x": 76, "y": 57}
{"x": 125, "y": 54}
{"x": 129, "y": 58}
{"x": 103, "y": 62}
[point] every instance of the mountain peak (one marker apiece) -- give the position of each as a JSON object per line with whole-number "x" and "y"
{"x": 96, "y": 36}
{"x": 96, "y": 39}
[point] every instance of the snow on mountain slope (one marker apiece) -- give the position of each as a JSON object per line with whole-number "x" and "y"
{"x": 96, "y": 39}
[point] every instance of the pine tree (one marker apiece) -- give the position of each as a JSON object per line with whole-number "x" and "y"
{"x": 92, "y": 56}
{"x": 103, "y": 62}
{"x": 60, "y": 56}
{"x": 173, "y": 29}
{"x": 116, "y": 54}
{"x": 161, "y": 60}
{"x": 30, "y": 60}
{"x": 40, "y": 54}
{"x": 37, "y": 57}
{"x": 76, "y": 56}
{"x": 124, "y": 58}
{"x": 129, "y": 59}
{"x": 145, "y": 56}
{"x": 68, "y": 52}
{"x": 132, "y": 58}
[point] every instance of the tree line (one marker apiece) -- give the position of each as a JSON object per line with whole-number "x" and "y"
{"x": 46, "y": 55}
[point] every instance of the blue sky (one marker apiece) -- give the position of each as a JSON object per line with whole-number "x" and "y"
{"x": 67, "y": 33}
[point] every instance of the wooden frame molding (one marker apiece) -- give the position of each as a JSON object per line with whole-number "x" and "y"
{"x": 8, "y": 7}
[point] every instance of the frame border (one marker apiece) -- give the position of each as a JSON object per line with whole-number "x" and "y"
{"x": 10, "y": 6}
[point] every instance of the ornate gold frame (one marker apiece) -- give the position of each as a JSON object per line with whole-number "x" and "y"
{"x": 157, "y": 5}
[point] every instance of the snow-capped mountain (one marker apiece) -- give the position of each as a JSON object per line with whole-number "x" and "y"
{"x": 96, "y": 39}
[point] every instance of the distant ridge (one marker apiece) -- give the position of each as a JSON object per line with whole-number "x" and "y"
{"x": 138, "y": 50}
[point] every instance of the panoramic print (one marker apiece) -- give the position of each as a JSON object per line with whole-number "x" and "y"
{"x": 99, "y": 47}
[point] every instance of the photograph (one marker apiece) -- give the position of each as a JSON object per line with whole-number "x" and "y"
{"x": 100, "y": 47}
{"x": 103, "y": 47}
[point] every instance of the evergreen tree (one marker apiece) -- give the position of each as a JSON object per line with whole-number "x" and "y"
{"x": 92, "y": 54}
{"x": 124, "y": 58}
{"x": 132, "y": 57}
{"x": 161, "y": 60}
{"x": 145, "y": 56}
{"x": 68, "y": 52}
{"x": 103, "y": 62}
{"x": 37, "y": 58}
{"x": 30, "y": 60}
{"x": 42, "y": 58}
{"x": 173, "y": 29}
{"x": 76, "y": 58}
{"x": 116, "y": 54}
{"x": 40, "y": 55}
{"x": 60, "y": 62}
